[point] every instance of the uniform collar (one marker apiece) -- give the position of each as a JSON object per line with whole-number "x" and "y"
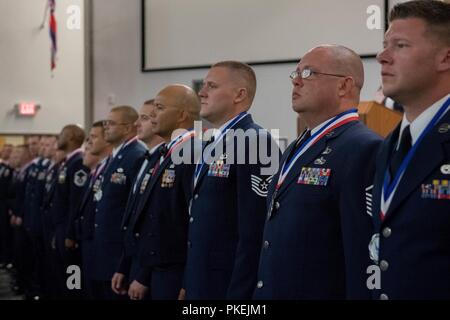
{"x": 73, "y": 153}
{"x": 317, "y": 128}
{"x": 419, "y": 124}
{"x": 320, "y": 126}
{"x": 115, "y": 151}
{"x": 123, "y": 145}
{"x": 218, "y": 132}
{"x": 153, "y": 150}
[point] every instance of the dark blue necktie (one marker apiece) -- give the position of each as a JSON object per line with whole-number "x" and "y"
{"x": 403, "y": 149}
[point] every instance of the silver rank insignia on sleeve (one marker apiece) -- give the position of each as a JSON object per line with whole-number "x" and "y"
{"x": 80, "y": 178}
{"x": 260, "y": 185}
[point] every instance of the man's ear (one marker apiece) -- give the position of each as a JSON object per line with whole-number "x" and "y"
{"x": 184, "y": 116}
{"x": 241, "y": 95}
{"x": 345, "y": 85}
{"x": 443, "y": 59}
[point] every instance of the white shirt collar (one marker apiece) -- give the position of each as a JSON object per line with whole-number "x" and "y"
{"x": 320, "y": 126}
{"x": 419, "y": 124}
{"x": 153, "y": 150}
{"x": 217, "y": 132}
{"x": 70, "y": 155}
{"x": 117, "y": 149}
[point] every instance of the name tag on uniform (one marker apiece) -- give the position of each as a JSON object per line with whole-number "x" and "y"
{"x": 438, "y": 190}
{"x": 314, "y": 176}
{"x": 219, "y": 169}
{"x": 168, "y": 178}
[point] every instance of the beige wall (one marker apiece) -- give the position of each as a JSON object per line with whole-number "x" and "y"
{"x": 14, "y": 140}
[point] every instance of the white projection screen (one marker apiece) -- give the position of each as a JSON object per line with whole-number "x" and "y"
{"x": 180, "y": 34}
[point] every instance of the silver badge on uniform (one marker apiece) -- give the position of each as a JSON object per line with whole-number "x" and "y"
{"x": 62, "y": 176}
{"x": 444, "y": 128}
{"x": 144, "y": 183}
{"x": 320, "y": 161}
{"x": 445, "y": 169}
{"x": 96, "y": 188}
{"x": 374, "y": 247}
{"x": 328, "y": 150}
{"x": 98, "y": 195}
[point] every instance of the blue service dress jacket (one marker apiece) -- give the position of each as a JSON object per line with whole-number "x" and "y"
{"x": 414, "y": 236}
{"x": 227, "y": 217}
{"x": 111, "y": 200}
{"x": 318, "y": 224}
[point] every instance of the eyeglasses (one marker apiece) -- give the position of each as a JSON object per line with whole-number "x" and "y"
{"x": 111, "y": 123}
{"x": 306, "y": 73}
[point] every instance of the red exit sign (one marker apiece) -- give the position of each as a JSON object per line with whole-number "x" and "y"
{"x": 28, "y": 109}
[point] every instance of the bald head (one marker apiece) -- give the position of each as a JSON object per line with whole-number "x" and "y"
{"x": 333, "y": 85}
{"x": 183, "y": 97}
{"x": 71, "y": 137}
{"x": 344, "y": 61}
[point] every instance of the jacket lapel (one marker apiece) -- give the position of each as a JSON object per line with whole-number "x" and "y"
{"x": 429, "y": 155}
{"x": 203, "y": 171}
{"x": 304, "y": 159}
{"x": 382, "y": 166}
{"x": 245, "y": 122}
{"x": 310, "y": 155}
{"x": 86, "y": 195}
{"x": 153, "y": 181}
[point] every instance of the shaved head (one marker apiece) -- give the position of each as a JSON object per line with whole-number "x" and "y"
{"x": 71, "y": 135}
{"x": 183, "y": 97}
{"x": 344, "y": 61}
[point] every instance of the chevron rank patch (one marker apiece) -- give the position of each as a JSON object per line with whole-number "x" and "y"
{"x": 369, "y": 200}
{"x": 260, "y": 185}
{"x": 80, "y": 178}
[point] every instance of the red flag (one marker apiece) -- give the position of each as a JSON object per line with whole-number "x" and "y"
{"x": 52, "y": 27}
